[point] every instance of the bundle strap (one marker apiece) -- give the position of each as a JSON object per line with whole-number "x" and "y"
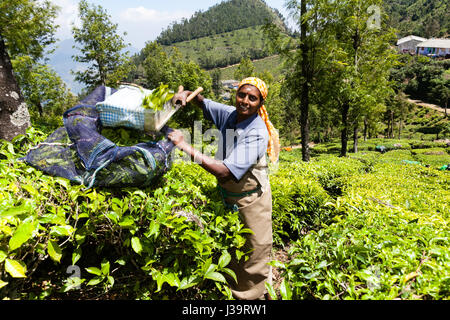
{"x": 228, "y": 194}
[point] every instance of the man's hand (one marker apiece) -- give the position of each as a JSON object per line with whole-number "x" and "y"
{"x": 181, "y": 97}
{"x": 176, "y": 137}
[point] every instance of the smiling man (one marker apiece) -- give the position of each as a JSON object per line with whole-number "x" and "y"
{"x": 240, "y": 166}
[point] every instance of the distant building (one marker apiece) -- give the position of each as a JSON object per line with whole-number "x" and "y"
{"x": 408, "y": 44}
{"x": 230, "y": 84}
{"x": 434, "y": 48}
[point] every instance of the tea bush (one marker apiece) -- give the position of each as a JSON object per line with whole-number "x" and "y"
{"x": 389, "y": 241}
{"x": 369, "y": 226}
{"x": 175, "y": 238}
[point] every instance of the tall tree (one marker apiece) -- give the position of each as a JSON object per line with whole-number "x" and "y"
{"x": 245, "y": 69}
{"x": 367, "y": 59}
{"x": 101, "y": 47}
{"x": 306, "y": 57}
{"x": 26, "y": 28}
{"x": 307, "y": 71}
{"x": 42, "y": 86}
{"x": 171, "y": 69}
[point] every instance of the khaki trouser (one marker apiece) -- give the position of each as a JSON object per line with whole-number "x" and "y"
{"x": 255, "y": 211}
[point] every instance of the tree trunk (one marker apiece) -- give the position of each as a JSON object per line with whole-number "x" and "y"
{"x": 391, "y": 132}
{"x": 14, "y": 116}
{"x": 355, "y": 139}
{"x": 304, "y": 118}
{"x": 344, "y": 132}
{"x": 365, "y": 129}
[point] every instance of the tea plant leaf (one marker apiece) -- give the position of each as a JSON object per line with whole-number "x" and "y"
{"x": 61, "y": 231}
{"x": 188, "y": 282}
{"x": 15, "y": 268}
{"x": 285, "y": 290}
{"x": 23, "y": 233}
{"x": 95, "y": 281}
{"x": 17, "y": 210}
{"x": 136, "y": 245}
{"x": 110, "y": 280}
{"x": 231, "y": 273}
{"x": 76, "y": 255}
{"x": 271, "y": 291}
{"x": 31, "y": 190}
{"x": 3, "y": 256}
{"x": 216, "y": 276}
{"x": 54, "y": 251}
{"x": 94, "y": 270}
{"x": 224, "y": 259}
{"x": 3, "y": 283}
{"x": 105, "y": 267}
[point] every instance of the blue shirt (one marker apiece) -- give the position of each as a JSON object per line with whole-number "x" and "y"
{"x": 242, "y": 144}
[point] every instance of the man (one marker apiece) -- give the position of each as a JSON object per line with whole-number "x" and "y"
{"x": 240, "y": 167}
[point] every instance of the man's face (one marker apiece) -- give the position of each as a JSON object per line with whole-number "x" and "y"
{"x": 248, "y": 101}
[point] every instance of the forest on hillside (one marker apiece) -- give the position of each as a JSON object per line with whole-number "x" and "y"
{"x": 223, "y": 17}
{"x": 424, "y": 18}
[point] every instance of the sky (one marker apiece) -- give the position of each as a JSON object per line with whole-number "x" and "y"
{"x": 142, "y": 20}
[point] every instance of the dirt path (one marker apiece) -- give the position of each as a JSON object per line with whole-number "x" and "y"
{"x": 427, "y": 105}
{"x": 293, "y": 147}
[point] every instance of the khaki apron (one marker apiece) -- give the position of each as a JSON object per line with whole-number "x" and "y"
{"x": 255, "y": 210}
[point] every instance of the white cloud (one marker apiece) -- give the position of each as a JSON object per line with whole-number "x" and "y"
{"x": 141, "y": 14}
{"x": 68, "y": 14}
{"x": 143, "y": 24}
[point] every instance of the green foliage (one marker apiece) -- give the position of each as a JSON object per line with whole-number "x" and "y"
{"x": 428, "y": 19}
{"x": 272, "y": 64}
{"x": 387, "y": 239}
{"x": 157, "y": 99}
{"x": 423, "y": 78}
{"x": 45, "y": 93}
{"x": 27, "y": 26}
{"x": 101, "y": 48}
{"x": 245, "y": 69}
{"x": 160, "y": 67}
{"x": 223, "y": 49}
{"x": 174, "y": 238}
{"x": 367, "y": 227}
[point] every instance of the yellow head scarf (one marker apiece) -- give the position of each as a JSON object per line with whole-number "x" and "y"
{"x": 273, "y": 149}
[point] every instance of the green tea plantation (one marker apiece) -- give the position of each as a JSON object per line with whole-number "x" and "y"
{"x": 369, "y": 226}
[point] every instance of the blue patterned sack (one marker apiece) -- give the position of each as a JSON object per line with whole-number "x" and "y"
{"x": 80, "y": 153}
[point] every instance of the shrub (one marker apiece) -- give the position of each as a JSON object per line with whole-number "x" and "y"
{"x": 390, "y": 240}
{"x": 174, "y": 238}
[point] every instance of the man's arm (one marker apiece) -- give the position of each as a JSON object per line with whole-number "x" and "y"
{"x": 215, "y": 167}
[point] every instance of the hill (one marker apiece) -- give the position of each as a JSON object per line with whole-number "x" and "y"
{"x": 426, "y": 18}
{"x": 221, "y": 18}
{"x": 221, "y": 50}
{"x": 222, "y": 35}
